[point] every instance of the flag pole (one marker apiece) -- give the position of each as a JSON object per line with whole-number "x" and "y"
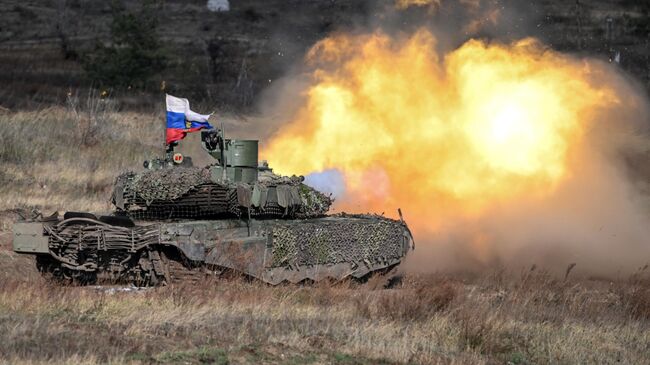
{"x": 165, "y": 129}
{"x": 168, "y": 148}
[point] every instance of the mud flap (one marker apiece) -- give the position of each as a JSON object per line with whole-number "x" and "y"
{"x": 246, "y": 255}
{"x": 29, "y": 238}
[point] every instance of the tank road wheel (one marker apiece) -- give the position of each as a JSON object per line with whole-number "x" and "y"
{"x": 52, "y": 271}
{"x": 385, "y": 278}
{"x": 164, "y": 266}
{"x": 148, "y": 270}
{"x": 179, "y": 270}
{"x": 83, "y": 277}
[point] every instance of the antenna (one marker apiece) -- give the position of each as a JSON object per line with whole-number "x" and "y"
{"x": 223, "y": 153}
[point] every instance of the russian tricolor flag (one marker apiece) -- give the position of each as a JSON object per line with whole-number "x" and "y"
{"x": 181, "y": 120}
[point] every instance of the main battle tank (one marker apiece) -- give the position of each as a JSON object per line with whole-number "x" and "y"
{"x": 175, "y": 222}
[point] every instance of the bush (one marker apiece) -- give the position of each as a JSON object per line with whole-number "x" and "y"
{"x": 638, "y": 303}
{"x": 636, "y": 295}
{"x": 413, "y": 305}
{"x": 134, "y": 53}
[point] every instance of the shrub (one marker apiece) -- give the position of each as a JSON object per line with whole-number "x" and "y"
{"x": 134, "y": 53}
{"x": 638, "y": 303}
{"x": 636, "y": 295}
{"x": 413, "y": 305}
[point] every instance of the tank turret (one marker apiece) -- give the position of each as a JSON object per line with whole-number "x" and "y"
{"x": 235, "y": 185}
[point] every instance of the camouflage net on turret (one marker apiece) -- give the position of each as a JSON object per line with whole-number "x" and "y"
{"x": 357, "y": 239}
{"x": 168, "y": 184}
{"x": 191, "y": 193}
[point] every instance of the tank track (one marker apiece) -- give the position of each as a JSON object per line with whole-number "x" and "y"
{"x": 166, "y": 272}
{"x": 86, "y": 250}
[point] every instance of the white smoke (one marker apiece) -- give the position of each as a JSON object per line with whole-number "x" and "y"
{"x": 218, "y": 5}
{"x": 328, "y": 181}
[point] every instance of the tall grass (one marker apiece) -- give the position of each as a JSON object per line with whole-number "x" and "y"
{"x": 431, "y": 319}
{"x": 65, "y": 158}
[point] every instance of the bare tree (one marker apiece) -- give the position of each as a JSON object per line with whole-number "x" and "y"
{"x": 216, "y": 54}
{"x": 62, "y": 29}
{"x": 244, "y": 87}
{"x": 578, "y": 15}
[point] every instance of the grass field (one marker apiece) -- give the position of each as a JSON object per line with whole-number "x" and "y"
{"x": 66, "y": 158}
{"x": 496, "y": 317}
{"x": 61, "y": 150}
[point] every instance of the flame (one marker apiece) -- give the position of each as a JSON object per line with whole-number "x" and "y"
{"x": 403, "y": 4}
{"x": 484, "y": 124}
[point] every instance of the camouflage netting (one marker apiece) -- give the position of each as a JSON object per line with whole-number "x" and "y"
{"x": 168, "y": 184}
{"x": 314, "y": 202}
{"x": 190, "y": 193}
{"x": 356, "y": 239}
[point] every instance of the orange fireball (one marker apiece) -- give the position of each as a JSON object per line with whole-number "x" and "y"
{"x": 430, "y": 133}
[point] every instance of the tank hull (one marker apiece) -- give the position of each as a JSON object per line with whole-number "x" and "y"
{"x": 86, "y": 249}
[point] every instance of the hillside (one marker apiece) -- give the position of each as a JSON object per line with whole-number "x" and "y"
{"x": 229, "y": 58}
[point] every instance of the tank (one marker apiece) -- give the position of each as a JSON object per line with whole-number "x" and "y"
{"x": 174, "y": 222}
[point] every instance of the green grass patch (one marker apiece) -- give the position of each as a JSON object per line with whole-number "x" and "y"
{"x": 202, "y": 355}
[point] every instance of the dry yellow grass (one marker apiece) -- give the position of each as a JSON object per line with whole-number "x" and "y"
{"x": 67, "y": 158}
{"x": 457, "y": 319}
